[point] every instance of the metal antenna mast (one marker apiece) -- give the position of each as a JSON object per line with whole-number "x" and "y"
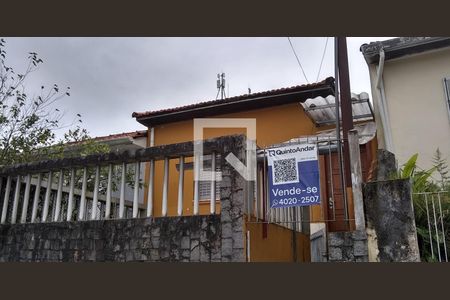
{"x": 221, "y": 86}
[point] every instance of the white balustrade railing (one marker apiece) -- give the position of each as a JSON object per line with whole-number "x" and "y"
{"x": 59, "y": 189}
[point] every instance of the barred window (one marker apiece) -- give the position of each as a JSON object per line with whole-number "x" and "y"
{"x": 204, "y": 187}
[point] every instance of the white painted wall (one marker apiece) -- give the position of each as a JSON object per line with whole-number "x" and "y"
{"x": 420, "y": 122}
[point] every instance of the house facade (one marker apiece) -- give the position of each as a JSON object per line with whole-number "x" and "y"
{"x": 281, "y": 116}
{"x": 166, "y": 215}
{"x": 410, "y": 81}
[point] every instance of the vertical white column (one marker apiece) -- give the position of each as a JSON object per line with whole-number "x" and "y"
{"x": 257, "y": 195}
{"x": 37, "y": 193}
{"x": 165, "y": 187}
{"x": 151, "y": 177}
{"x": 95, "y": 197}
{"x": 150, "y": 189}
{"x": 16, "y": 201}
{"x": 26, "y": 199}
{"x": 196, "y": 182}
{"x": 122, "y": 192}
{"x": 108, "y": 193}
{"x": 59, "y": 196}
{"x": 212, "y": 203}
{"x": 137, "y": 172}
{"x": 71, "y": 191}
{"x": 47, "y": 197}
{"x": 6, "y": 200}
{"x": 180, "y": 186}
{"x": 83, "y": 195}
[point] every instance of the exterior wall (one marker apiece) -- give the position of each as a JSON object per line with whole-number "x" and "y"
{"x": 161, "y": 239}
{"x": 348, "y": 246}
{"x": 417, "y": 107}
{"x": 278, "y": 245}
{"x": 274, "y": 125}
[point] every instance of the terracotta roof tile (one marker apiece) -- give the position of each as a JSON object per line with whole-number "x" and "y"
{"x": 269, "y": 93}
{"x": 132, "y": 134}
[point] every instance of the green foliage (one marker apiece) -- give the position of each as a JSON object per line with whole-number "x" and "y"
{"x": 419, "y": 178}
{"x": 423, "y": 182}
{"x": 442, "y": 169}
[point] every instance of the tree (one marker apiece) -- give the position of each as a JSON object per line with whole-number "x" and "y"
{"x": 28, "y": 123}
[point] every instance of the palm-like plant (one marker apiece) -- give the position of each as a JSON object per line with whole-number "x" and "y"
{"x": 422, "y": 182}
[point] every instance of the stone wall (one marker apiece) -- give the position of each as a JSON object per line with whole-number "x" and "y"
{"x": 390, "y": 221}
{"x": 347, "y": 246}
{"x": 160, "y": 239}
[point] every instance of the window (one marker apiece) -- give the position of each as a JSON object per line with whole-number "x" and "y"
{"x": 204, "y": 186}
{"x": 447, "y": 93}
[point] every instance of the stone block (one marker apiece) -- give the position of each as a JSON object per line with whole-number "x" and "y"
{"x": 238, "y": 255}
{"x": 186, "y": 254}
{"x": 359, "y": 235}
{"x": 185, "y": 242}
{"x": 335, "y": 240}
{"x": 360, "y": 248}
{"x": 129, "y": 255}
{"x": 156, "y": 232}
{"x": 335, "y": 253}
{"x": 155, "y": 241}
{"x": 204, "y": 254}
{"x": 46, "y": 244}
{"x": 227, "y": 247}
{"x": 227, "y": 231}
{"x": 154, "y": 255}
{"x": 238, "y": 239}
{"x": 146, "y": 243}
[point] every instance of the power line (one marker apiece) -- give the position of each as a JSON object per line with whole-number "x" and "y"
{"x": 323, "y": 56}
{"x": 298, "y": 60}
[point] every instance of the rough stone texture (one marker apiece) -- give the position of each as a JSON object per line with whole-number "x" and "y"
{"x": 386, "y": 165}
{"x": 390, "y": 219}
{"x": 349, "y": 246}
{"x": 158, "y": 239}
{"x": 232, "y": 207}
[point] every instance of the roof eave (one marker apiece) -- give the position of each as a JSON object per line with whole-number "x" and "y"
{"x": 242, "y": 105}
{"x": 371, "y": 53}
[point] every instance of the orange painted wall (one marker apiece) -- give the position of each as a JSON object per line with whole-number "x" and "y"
{"x": 278, "y": 245}
{"x": 273, "y": 125}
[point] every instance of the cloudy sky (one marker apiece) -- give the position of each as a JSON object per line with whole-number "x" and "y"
{"x": 110, "y": 78}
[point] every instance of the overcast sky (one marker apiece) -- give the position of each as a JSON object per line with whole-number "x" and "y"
{"x": 110, "y": 78}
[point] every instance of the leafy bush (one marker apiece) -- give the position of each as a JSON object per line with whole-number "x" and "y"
{"x": 424, "y": 182}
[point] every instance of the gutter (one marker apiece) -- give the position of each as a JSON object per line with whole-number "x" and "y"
{"x": 382, "y": 104}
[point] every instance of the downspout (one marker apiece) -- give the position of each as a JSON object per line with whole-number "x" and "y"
{"x": 152, "y": 136}
{"x": 382, "y": 105}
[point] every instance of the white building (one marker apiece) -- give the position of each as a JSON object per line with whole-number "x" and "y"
{"x": 410, "y": 80}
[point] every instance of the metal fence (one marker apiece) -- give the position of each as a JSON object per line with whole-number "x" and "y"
{"x": 332, "y": 189}
{"x": 432, "y": 214}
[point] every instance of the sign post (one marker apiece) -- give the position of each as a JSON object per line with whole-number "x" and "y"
{"x": 293, "y": 176}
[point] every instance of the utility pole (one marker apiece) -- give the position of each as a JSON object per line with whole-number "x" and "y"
{"x": 346, "y": 111}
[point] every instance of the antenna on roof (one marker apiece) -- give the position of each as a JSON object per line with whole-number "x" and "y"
{"x": 221, "y": 86}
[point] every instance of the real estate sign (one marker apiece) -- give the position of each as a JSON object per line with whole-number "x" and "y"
{"x": 293, "y": 176}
